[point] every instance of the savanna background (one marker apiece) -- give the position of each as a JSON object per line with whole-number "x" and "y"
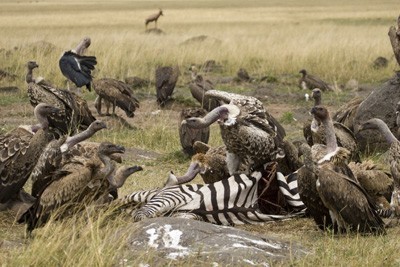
{"x": 336, "y": 40}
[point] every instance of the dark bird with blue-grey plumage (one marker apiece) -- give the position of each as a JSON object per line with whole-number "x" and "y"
{"x": 76, "y": 67}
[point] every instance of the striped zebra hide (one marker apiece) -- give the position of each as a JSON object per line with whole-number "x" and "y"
{"x": 227, "y": 202}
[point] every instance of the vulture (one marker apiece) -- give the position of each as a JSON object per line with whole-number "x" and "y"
{"x": 116, "y": 93}
{"x": 75, "y": 113}
{"x": 393, "y": 156}
{"x": 346, "y": 113}
{"x": 76, "y": 67}
{"x": 188, "y": 136}
{"x": 166, "y": 79}
{"x": 314, "y": 133}
{"x": 306, "y": 181}
{"x": 350, "y": 206}
{"x": 198, "y": 87}
{"x": 20, "y": 150}
{"x": 51, "y": 158}
{"x": 208, "y": 161}
{"x": 378, "y": 183}
{"x": 251, "y": 135}
{"x": 308, "y": 81}
{"x": 79, "y": 182}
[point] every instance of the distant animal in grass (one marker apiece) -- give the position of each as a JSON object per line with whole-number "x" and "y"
{"x": 308, "y": 81}
{"x": 154, "y": 18}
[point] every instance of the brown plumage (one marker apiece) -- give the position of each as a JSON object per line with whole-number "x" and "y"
{"x": 198, "y": 87}
{"x": 346, "y": 113}
{"x": 314, "y": 133}
{"x": 52, "y": 156}
{"x": 251, "y": 135}
{"x": 377, "y": 182}
{"x": 74, "y": 115}
{"x": 349, "y": 204}
{"x": 19, "y": 151}
{"x": 208, "y": 161}
{"x": 188, "y": 136}
{"x": 117, "y": 93}
{"x": 79, "y": 182}
{"x": 154, "y": 18}
{"x": 166, "y": 79}
{"x": 306, "y": 181}
{"x": 308, "y": 81}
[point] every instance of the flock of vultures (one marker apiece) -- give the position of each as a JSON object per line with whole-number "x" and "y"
{"x": 321, "y": 176}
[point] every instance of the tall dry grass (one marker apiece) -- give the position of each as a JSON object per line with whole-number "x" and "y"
{"x": 337, "y": 40}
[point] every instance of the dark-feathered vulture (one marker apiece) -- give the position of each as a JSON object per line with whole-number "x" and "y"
{"x": 166, "y": 79}
{"x": 187, "y": 135}
{"x": 117, "y": 93}
{"x": 75, "y": 113}
{"x": 350, "y": 206}
{"x": 306, "y": 181}
{"x": 308, "y": 81}
{"x": 76, "y": 67}
{"x": 19, "y": 151}
{"x": 52, "y": 156}
{"x": 79, "y": 182}
{"x": 251, "y": 135}
{"x": 198, "y": 87}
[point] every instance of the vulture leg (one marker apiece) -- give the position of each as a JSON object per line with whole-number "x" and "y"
{"x": 97, "y": 105}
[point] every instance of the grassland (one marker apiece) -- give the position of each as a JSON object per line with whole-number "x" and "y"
{"x": 337, "y": 40}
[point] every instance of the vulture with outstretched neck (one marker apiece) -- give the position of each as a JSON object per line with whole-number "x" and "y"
{"x": 251, "y": 135}
{"x": 78, "y": 183}
{"x": 52, "y": 157}
{"x": 76, "y": 67}
{"x": 20, "y": 150}
{"x": 350, "y": 206}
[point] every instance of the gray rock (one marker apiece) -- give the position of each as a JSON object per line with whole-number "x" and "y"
{"x": 381, "y": 103}
{"x": 189, "y": 240}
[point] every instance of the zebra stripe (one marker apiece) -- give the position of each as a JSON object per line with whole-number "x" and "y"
{"x": 289, "y": 189}
{"x": 228, "y": 202}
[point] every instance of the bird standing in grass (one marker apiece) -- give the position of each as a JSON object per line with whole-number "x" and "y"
{"x": 76, "y": 67}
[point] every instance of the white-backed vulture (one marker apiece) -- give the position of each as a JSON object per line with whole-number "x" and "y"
{"x": 166, "y": 79}
{"x": 79, "y": 182}
{"x": 350, "y": 206}
{"x": 250, "y": 134}
{"x": 20, "y": 149}
{"x": 187, "y": 135}
{"x": 198, "y": 87}
{"x": 75, "y": 114}
{"x": 393, "y": 155}
{"x": 116, "y": 93}
{"x": 52, "y": 156}
{"x": 308, "y": 81}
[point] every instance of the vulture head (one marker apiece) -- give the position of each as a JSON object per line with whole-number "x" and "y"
{"x": 32, "y": 65}
{"x": 316, "y": 95}
{"x": 303, "y": 71}
{"x": 320, "y": 113}
{"x": 107, "y": 148}
{"x": 122, "y": 173}
{"x": 225, "y": 114}
{"x": 372, "y": 124}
